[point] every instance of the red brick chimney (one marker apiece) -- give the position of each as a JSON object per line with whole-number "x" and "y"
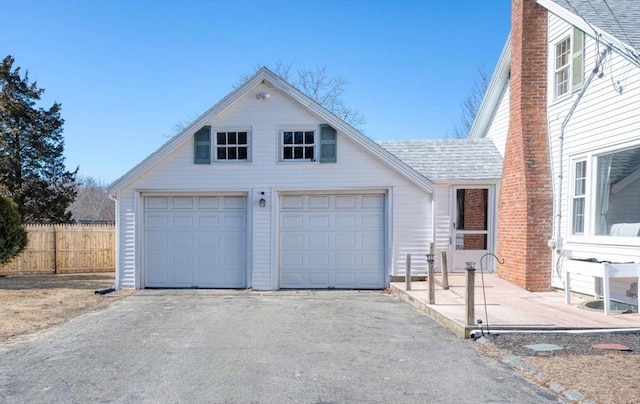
{"x": 526, "y": 203}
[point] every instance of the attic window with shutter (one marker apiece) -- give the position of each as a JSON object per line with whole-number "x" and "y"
{"x": 202, "y": 146}
{"x": 232, "y": 145}
{"x": 298, "y": 145}
{"x": 309, "y": 144}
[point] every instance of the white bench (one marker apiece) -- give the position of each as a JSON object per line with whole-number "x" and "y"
{"x": 605, "y": 271}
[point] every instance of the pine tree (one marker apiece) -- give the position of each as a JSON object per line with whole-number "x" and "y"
{"x": 13, "y": 237}
{"x": 32, "y": 171}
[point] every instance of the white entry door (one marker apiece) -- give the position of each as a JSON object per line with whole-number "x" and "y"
{"x": 332, "y": 241}
{"x": 470, "y": 227}
{"x": 195, "y": 241}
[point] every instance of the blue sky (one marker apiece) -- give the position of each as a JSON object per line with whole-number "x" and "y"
{"x": 126, "y": 72}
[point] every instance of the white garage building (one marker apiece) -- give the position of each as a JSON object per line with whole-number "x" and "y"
{"x": 268, "y": 190}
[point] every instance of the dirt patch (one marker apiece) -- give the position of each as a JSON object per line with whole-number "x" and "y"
{"x": 34, "y": 302}
{"x": 600, "y": 376}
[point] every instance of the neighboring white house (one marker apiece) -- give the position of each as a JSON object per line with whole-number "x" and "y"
{"x": 589, "y": 80}
{"x": 269, "y": 190}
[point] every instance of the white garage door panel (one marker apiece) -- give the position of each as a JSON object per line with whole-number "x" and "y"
{"x": 332, "y": 241}
{"x": 195, "y": 242}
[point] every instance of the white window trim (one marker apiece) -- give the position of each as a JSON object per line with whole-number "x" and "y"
{"x": 572, "y": 196}
{"x": 298, "y": 128}
{"x": 214, "y": 144}
{"x": 567, "y": 66}
{"x": 589, "y": 236}
{"x": 552, "y": 86}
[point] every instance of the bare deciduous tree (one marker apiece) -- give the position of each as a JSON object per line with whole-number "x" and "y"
{"x": 92, "y": 203}
{"x": 181, "y": 125}
{"x": 316, "y": 84}
{"x": 470, "y": 105}
{"x": 320, "y": 86}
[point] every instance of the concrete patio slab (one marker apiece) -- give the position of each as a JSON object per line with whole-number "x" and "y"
{"x": 508, "y": 307}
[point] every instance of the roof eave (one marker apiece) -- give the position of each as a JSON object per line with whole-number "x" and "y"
{"x": 179, "y": 138}
{"x": 493, "y": 95}
{"x": 464, "y": 181}
{"x": 265, "y": 75}
{"x": 624, "y": 49}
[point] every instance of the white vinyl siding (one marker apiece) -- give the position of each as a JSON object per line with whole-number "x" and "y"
{"x": 408, "y": 226}
{"x": 499, "y": 127}
{"x": 443, "y": 223}
{"x": 126, "y": 253}
{"x": 605, "y": 120}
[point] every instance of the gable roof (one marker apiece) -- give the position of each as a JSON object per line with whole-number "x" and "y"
{"x": 492, "y": 96}
{"x": 616, "y": 22}
{"x": 450, "y": 160}
{"x": 620, "y": 18}
{"x": 613, "y": 22}
{"x": 265, "y": 75}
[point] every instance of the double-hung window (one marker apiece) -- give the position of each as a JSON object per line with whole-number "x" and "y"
{"x": 562, "y": 66}
{"x": 579, "y": 197}
{"x": 569, "y": 63}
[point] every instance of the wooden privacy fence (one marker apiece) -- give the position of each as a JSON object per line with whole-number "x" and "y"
{"x": 66, "y": 249}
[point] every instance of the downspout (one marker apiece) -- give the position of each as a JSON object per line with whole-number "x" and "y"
{"x": 556, "y": 242}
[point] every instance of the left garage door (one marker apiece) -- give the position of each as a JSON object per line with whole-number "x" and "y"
{"x": 195, "y": 241}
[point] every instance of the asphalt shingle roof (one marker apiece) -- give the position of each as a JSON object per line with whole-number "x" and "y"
{"x": 620, "y": 18}
{"x": 449, "y": 160}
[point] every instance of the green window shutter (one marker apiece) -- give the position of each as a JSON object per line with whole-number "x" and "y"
{"x": 577, "y": 60}
{"x": 202, "y": 146}
{"x": 328, "y": 144}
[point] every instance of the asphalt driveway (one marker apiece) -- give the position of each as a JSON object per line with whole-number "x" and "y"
{"x": 248, "y": 347}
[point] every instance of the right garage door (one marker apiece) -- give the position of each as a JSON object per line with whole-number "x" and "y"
{"x": 332, "y": 241}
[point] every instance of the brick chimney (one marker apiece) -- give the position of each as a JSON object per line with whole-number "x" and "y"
{"x": 526, "y": 202}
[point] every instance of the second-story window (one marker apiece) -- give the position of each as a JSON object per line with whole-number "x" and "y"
{"x": 298, "y": 145}
{"x": 232, "y": 145}
{"x": 569, "y": 63}
{"x": 562, "y": 66}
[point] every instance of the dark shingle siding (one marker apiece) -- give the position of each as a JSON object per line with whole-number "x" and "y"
{"x": 449, "y": 160}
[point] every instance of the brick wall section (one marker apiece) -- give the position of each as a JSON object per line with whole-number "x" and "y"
{"x": 475, "y": 208}
{"x": 526, "y": 204}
